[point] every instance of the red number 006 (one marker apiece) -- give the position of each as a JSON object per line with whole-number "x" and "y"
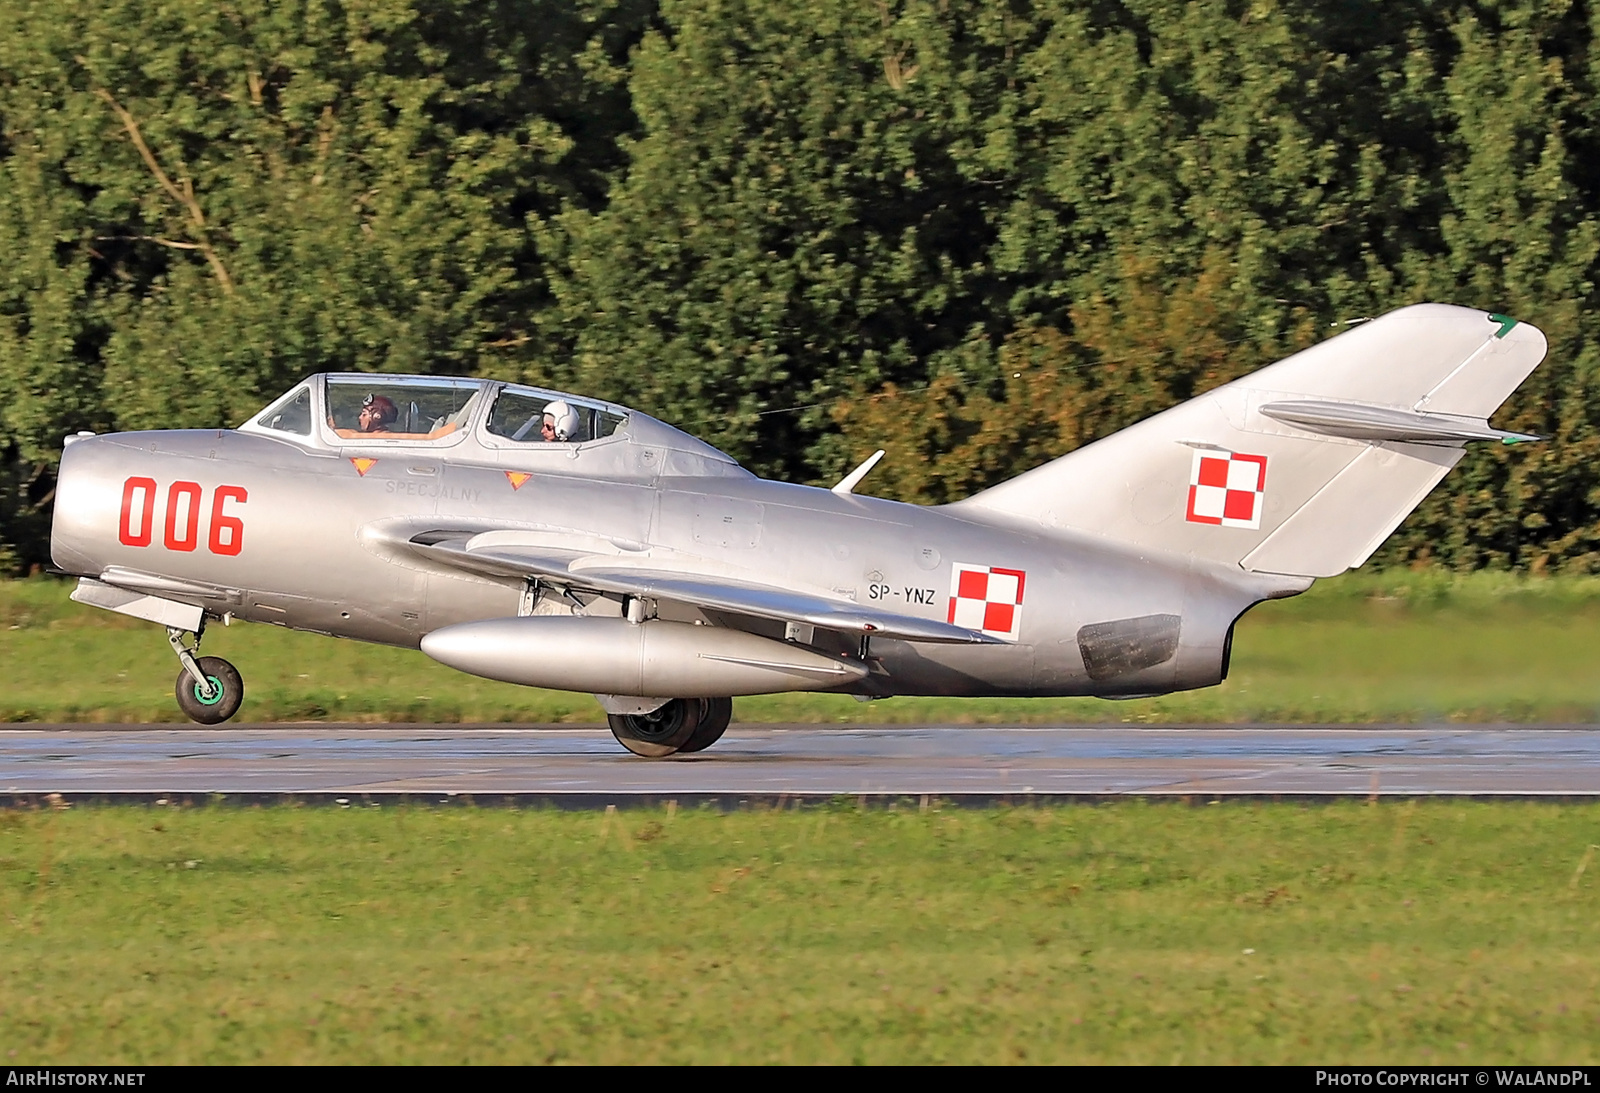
{"x": 181, "y": 529}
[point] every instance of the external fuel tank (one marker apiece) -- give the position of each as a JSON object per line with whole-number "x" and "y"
{"x": 615, "y": 656}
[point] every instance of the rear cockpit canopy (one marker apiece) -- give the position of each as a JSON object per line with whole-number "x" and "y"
{"x": 482, "y": 421}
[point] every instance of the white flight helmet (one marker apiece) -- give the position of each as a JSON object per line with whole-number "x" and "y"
{"x": 564, "y": 418}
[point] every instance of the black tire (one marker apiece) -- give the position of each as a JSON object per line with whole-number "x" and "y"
{"x": 660, "y": 733}
{"x": 715, "y": 713}
{"x": 224, "y": 705}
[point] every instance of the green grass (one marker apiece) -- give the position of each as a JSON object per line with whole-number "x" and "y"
{"x": 1383, "y": 647}
{"x": 1395, "y": 933}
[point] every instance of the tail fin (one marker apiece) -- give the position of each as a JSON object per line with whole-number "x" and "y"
{"x": 1302, "y": 468}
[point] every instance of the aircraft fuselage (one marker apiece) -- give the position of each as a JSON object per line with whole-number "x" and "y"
{"x": 272, "y": 531}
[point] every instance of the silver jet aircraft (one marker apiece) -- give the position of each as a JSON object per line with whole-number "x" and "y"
{"x": 552, "y": 540}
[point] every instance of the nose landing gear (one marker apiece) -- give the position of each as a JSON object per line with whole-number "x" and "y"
{"x": 209, "y": 689}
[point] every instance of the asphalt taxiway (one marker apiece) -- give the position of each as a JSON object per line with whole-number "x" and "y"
{"x": 585, "y": 767}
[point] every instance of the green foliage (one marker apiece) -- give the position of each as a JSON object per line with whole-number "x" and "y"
{"x": 799, "y": 215}
{"x": 978, "y": 235}
{"x": 203, "y": 202}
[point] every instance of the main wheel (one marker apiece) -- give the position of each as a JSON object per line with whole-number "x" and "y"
{"x": 227, "y": 692}
{"x": 715, "y": 713}
{"x": 660, "y": 732}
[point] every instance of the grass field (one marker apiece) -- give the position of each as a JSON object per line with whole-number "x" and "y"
{"x": 1384, "y": 647}
{"x": 1394, "y": 933}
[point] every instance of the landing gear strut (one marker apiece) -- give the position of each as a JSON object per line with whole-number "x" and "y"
{"x": 209, "y": 689}
{"x": 682, "y": 725}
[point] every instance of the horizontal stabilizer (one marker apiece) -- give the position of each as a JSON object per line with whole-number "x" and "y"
{"x": 1359, "y": 422}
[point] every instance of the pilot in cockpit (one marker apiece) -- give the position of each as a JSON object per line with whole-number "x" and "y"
{"x": 377, "y": 414}
{"x": 561, "y": 422}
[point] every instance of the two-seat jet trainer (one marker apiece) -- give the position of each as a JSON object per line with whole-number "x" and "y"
{"x": 556, "y": 541}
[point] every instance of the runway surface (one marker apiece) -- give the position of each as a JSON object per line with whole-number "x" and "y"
{"x": 585, "y": 767}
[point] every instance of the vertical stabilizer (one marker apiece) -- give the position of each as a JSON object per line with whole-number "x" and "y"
{"x": 1302, "y": 468}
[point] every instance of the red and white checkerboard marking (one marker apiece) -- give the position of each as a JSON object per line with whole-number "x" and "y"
{"x": 987, "y": 598}
{"x": 1227, "y": 488}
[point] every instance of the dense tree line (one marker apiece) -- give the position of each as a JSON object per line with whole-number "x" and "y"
{"x": 977, "y": 234}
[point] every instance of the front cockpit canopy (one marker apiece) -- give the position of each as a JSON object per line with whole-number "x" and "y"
{"x": 397, "y": 408}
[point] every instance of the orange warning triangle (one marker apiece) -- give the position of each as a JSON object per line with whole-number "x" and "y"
{"x": 363, "y": 464}
{"x": 517, "y": 478}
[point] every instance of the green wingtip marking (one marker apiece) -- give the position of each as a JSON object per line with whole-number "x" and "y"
{"x": 1506, "y": 323}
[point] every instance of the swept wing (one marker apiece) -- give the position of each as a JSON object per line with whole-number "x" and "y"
{"x": 490, "y": 554}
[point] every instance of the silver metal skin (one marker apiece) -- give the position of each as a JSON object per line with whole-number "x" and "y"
{"x": 599, "y": 655}
{"x": 646, "y": 563}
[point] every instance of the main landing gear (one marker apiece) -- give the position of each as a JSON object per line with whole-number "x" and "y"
{"x": 209, "y": 689}
{"x": 682, "y": 725}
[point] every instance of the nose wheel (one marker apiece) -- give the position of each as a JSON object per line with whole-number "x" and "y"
{"x": 209, "y": 689}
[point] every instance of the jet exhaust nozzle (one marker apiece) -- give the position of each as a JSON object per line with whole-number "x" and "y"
{"x": 614, "y": 656}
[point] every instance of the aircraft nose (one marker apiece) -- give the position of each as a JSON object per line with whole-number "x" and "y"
{"x": 77, "y": 522}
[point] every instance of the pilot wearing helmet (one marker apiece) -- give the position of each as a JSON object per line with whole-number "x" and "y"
{"x": 377, "y": 414}
{"x": 561, "y": 422}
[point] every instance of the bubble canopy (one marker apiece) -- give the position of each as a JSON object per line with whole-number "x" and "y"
{"x": 434, "y": 409}
{"x": 489, "y": 419}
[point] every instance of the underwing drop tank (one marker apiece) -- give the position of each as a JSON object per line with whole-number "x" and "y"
{"x": 615, "y": 656}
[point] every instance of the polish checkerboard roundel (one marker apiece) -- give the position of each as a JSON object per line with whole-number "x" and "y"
{"x": 1226, "y": 488}
{"x": 987, "y": 598}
